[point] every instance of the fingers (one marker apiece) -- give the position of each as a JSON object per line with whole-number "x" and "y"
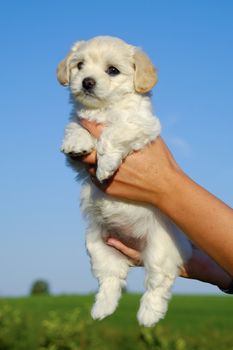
{"x": 133, "y": 254}
{"x": 93, "y": 128}
{"x": 90, "y": 158}
{"x": 184, "y": 271}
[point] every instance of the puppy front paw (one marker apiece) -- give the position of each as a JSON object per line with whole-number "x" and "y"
{"x": 107, "y": 166}
{"x": 75, "y": 145}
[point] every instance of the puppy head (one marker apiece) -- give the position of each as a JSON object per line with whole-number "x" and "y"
{"x": 104, "y": 69}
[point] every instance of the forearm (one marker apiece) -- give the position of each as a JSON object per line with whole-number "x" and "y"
{"x": 206, "y": 220}
{"x": 203, "y": 268}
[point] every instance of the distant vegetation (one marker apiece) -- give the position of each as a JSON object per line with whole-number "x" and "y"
{"x": 40, "y": 287}
{"x": 64, "y": 323}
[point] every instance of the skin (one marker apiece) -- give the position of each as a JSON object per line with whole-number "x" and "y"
{"x": 206, "y": 220}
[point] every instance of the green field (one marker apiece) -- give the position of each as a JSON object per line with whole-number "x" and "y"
{"x": 63, "y": 323}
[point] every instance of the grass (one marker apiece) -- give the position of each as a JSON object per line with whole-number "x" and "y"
{"x": 203, "y": 320}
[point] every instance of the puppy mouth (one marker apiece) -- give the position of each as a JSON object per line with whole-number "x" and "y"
{"x": 88, "y": 93}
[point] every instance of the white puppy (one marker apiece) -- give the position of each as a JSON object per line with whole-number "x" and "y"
{"x": 109, "y": 82}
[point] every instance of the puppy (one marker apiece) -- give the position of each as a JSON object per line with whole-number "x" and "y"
{"x": 109, "y": 82}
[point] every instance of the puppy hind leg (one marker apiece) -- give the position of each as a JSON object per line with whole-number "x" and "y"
{"x": 110, "y": 268}
{"x": 154, "y": 302}
{"x": 161, "y": 261}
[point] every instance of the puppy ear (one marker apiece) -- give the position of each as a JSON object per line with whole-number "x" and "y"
{"x": 145, "y": 76}
{"x": 63, "y": 69}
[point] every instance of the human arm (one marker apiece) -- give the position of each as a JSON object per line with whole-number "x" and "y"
{"x": 153, "y": 176}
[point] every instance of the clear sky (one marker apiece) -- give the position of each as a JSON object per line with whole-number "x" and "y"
{"x": 190, "y": 42}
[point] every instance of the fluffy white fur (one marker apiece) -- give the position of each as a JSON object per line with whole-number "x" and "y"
{"x": 122, "y": 103}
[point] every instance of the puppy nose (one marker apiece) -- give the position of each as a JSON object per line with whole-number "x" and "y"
{"x": 88, "y": 83}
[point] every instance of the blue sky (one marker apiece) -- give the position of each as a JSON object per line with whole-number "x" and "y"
{"x": 190, "y": 42}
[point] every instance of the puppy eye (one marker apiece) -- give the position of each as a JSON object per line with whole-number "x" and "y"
{"x": 80, "y": 65}
{"x": 112, "y": 71}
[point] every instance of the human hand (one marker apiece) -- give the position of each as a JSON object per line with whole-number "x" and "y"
{"x": 199, "y": 267}
{"x": 144, "y": 176}
{"x": 132, "y": 254}
{"x": 197, "y": 260}
{"x": 152, "y": 176}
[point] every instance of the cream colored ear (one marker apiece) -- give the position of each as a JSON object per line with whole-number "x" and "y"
{"x": 63, "y": 69}
{"x": 145, "y": 76}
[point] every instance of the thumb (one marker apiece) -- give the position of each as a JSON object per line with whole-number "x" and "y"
{"x": 93, "y": 128}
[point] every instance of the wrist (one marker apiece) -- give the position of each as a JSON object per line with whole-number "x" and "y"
{"x": 169, "y": 188}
